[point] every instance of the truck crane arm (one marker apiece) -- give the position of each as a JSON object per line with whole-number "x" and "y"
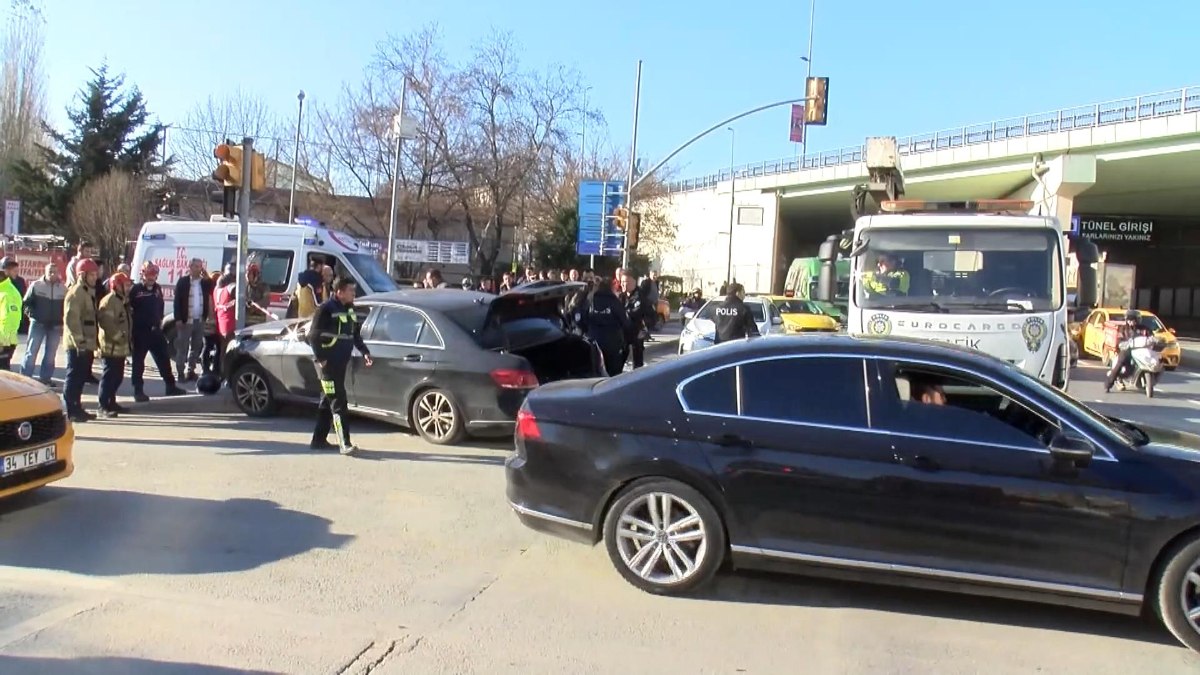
{"x": 885, "y": 179}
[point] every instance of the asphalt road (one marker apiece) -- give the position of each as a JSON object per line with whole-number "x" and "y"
{"x": 195, "y": 540}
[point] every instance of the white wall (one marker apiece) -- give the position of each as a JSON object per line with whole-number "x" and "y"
{"x": 700, "y": 251}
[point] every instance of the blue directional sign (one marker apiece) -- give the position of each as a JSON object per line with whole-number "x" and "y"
{"x": 597, "y": 201}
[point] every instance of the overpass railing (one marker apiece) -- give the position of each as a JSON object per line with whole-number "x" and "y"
{"x": 1149, "y": 106}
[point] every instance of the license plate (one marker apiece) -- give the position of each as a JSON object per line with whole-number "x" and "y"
{"x": 27, "y": 459}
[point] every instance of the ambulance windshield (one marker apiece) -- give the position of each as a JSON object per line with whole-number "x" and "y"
{"x": 371, "y": 272}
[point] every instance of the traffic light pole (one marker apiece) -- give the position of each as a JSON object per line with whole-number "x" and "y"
{"x": 243, "y": 213}
{"x": 637, "y": 103}
{"x": 706, "y": 132}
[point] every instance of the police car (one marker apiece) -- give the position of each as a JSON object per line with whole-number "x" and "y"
{"x": 699, "y": 329}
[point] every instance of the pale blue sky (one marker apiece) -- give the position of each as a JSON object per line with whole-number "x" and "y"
{"x": 894, "y": 71}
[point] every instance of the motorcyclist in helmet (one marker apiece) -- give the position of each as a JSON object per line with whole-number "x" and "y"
{"x": 1132, "y": 328}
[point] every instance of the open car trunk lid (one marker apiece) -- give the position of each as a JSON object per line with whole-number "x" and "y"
{"x": 538, "y": 299}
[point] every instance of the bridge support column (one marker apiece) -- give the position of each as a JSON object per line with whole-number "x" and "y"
{"x": 1066, "y": 177}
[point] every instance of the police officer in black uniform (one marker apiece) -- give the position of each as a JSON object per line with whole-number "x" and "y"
{"x": 734, "y": 320}
{"x": 146, "y": 308}
{"x": 333, "y": 336}
{"x": 602, "y": 318}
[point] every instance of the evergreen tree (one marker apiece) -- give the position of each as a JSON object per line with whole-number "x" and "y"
{"x": 109, "y": 131}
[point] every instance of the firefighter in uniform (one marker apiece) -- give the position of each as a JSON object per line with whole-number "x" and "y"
{"x": 333, "y": 336}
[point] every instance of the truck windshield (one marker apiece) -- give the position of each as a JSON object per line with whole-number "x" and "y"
{"x": 371, "y": 272}
{"x": 968, "y": 270}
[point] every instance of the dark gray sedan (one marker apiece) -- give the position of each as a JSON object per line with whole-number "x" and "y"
{"x": 447, "y": 362}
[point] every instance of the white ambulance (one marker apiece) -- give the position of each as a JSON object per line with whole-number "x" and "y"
{"x": 283, "y": 250}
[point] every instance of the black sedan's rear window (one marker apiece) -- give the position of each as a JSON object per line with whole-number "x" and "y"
{"x": 517, "y": 333}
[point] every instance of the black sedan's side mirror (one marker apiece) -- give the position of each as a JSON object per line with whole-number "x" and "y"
{"x": 1072, "y": 450}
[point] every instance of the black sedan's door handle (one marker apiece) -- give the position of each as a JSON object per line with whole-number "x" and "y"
{"x": 921, "y": 463}
{"x": 734, "y": 441}
{"x": 412, "y": 357}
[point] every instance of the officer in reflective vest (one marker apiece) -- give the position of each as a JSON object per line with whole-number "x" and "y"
{"x": 888, "y": 279}
{"x": 333, "y": 336}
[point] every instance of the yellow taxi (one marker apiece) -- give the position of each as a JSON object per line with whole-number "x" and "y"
{"x": 36, "y": 438}
{"x": 803, "y": 316}
{"x": 1090, "y": 334}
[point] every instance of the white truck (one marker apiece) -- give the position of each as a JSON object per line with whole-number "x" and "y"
{"x": 984, "y": 274}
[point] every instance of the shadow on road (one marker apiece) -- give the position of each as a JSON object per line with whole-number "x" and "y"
{"x": 114, "y": 533}
{"x": 263, "y": 448}
{"x": 765, "y": 587}
{"x": 108, "y": 665}
{"x": 778, "y": 589}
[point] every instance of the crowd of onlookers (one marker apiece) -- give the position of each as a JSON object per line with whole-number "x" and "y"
{"x": 119, "y": 320}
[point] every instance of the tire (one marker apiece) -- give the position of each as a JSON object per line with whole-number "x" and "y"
{"x": 631, "y": 546}
{"x": 252, "y": 391}
{"x": 1171, "y": 367}
{"x": 1148, "y": 380}
{"x": 1174, "y": 595}
{"x": 436, "y": 417}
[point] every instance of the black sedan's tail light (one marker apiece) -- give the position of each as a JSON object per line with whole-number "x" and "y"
{"x": 527, "y": 427}
{"x": 508, "y": 378}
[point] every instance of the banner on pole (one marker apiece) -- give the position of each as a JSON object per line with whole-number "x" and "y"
{"x": 12, "y": 217}
{"x": 797, "y": 135}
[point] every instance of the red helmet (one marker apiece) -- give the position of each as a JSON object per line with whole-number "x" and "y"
{"x": 119, "y": 280}
{"x": 149, "y": 268}
{"x": 86, "y": 265}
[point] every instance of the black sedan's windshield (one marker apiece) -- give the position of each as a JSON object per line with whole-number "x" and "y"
{"x": 960, "y": 270}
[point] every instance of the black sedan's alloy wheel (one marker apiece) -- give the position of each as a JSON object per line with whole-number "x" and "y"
{"x": 664, "y": 536}
{"x": 252, "y": 391}
{"x": 1177, "y": 597}
{"x": 436, "y": 417}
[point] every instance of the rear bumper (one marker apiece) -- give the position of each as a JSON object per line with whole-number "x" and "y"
{"x": 536, "y": 512}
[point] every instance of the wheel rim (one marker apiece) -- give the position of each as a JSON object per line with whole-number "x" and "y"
{"x": 251, "y": 391}
{"x": 435, "y": 415}
{"x": 1190, "y": 596}
{"x": 661, "y": 538}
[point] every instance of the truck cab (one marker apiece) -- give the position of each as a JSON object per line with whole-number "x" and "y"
{"x": 985, "y": 275}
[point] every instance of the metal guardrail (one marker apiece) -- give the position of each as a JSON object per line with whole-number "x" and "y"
{"x": 1149, "y": 106}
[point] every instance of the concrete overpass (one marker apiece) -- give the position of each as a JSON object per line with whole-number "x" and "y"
{"x": 1138, "y": 156}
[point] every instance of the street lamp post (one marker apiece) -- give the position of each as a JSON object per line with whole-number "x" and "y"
{"x": 398, "y": 130}
{"x": 296, "y": 158}
{"x": 812, "y": 15}
{"x": 732, "y": 219}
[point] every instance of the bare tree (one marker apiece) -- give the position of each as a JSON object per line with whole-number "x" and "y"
{"x": 106, "y": 211}
{"x": 22, "y": 88}
{"x": 232, "y": 117}
{"x": 492, "y": 127}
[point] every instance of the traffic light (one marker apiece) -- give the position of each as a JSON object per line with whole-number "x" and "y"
{"x": 229, "y": 171}
{"x": 258, "y": 172}
{"x": 634, "y": 232}
{"x": 620, "y": 217}
{"x": 816, "y": 108}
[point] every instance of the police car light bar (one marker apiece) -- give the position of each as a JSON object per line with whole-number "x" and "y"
{"x": 975, "y": 206}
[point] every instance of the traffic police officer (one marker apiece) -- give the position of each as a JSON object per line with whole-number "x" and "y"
{"x": 333, "y": 336}
{"x": 887, "y": 279}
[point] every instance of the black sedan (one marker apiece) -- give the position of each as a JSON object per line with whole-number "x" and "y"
{"x": 898, "y": 461}
{"x": 448, "y": 362}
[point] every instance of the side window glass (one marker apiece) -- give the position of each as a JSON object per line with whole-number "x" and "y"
{"x": 398, "y": 325}
{"x": 276, "y": 266}
{"x": 775, "y": 390}
{"x": 714, "y": 393}
{"x": 428, "y": 337}
{"x": 960, "y": 407}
